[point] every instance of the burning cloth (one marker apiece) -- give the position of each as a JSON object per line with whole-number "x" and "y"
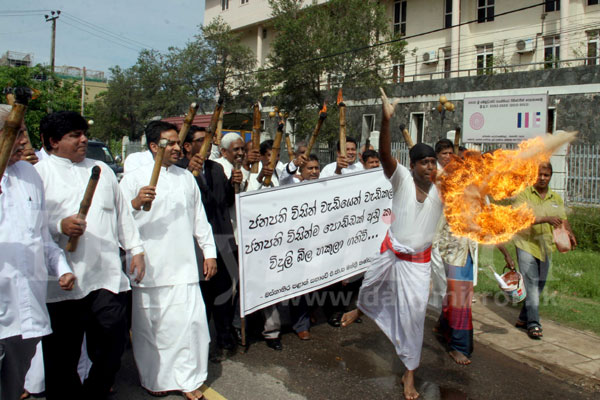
{"x": 396, "y": 286}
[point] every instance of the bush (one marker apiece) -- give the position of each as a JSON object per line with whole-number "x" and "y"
{"x": 585, "y": 222}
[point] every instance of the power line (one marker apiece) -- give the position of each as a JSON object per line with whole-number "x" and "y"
{"x": 102, "y": 37}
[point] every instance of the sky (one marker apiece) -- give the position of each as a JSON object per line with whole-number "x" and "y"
{"x": 98, "y": 34}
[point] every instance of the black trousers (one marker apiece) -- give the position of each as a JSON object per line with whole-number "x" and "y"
{"x": 102, "y": 316}
{"x": 217, "y": 295}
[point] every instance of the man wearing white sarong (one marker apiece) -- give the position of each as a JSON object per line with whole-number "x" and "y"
{"x": 169, "y": 329}
{"x": 396, "y": 286}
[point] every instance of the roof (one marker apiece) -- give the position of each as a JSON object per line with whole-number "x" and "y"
{"x": 231, "y": 121}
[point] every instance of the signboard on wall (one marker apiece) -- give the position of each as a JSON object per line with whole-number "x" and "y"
{"x": 504, "y": 119}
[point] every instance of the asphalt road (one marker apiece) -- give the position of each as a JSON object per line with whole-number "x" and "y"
{"x": 358, "y": 362}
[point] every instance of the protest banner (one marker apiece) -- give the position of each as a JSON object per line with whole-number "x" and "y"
{"x": 299, "y": 238}
{"x": 504, "y": 119}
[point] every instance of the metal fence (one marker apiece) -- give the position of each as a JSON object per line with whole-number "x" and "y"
{"x": 583, "y": 174}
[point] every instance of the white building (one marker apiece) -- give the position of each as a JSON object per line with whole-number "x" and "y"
{"x": 481, "y": 35}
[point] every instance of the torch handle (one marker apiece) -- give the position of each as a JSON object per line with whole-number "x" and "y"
{"x": 407, "y": 138}
{"x": 85, "y": 204}
{"x": 12, "y": 125}
{"x": 314, "y": 135}
{"x": 236, "y": 186}
{"x": 208, "y": 138}
{"x": 343, "y": 130}
{"x": 274, "y": 153}
{"x": 255, "y": 136}
{"x": 155, "y": 173}
{"x": 187, "y": 122}
{"x": 219, "y": 133}
{"x": 290, "y": 150}
{"x": 456, "y": 140}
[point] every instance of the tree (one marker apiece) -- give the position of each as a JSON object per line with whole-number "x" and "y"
{"x": 53, "y": 94}
{"x": 320, "y": 48}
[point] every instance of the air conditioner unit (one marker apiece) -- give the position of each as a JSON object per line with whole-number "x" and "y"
{"x": 525, "y": 46}
{"x": 430, "y": 57}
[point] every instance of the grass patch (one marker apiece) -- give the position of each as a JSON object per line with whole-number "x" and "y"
{"x": 572, "y": 293}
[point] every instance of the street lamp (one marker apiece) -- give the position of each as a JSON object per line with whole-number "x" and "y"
{"x": 444, "y": 105}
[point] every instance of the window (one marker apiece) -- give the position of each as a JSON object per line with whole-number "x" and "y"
{"x": 593, "y": 51}
{"x": 485, "y": 59}
{"x": 447, "y": 61}
{"x": 485, "y": 10}
{"x": 264, "y": 33}
{"x": 398, "y": 73}
{"x": 417, "y": 127}
{"x": 592, "y": 2}
{"x": 400, "y": 17}
{"x": 448, "y": 14}
{"x": 552, "y": 5}
{"x": 262, "y": 125}
{"x": 368, "y": 125}
{"x": 224, "y": 5}
{"x": 245, "y": 2}
{"x": 550, "y": 128}
{"x": 551, "y": 51}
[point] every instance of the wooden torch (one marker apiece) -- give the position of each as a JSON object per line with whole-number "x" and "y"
{"x": 456, "y": 139}
{"x": 219, "y": 132}
{"x": 342, "y": 107}
{"x": 275, "y": 151}
{"x": 187, "y": 122}
{"x": 162, "y": 144}
{"x": 313, "y": 137}
{"x": 12, "y": 126}
{"x": 85, "y": 204}
{"x": 407, "y": 138}
{"x": 255, "y": 137}
{"x": 208, "y": 138}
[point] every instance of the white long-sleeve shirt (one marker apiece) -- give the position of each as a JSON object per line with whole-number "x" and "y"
{"x": 27, "y": 254}
{"x": 254, "y": 184}
{"x": 136, "y": 160}
{"x": 329, "y": 169}
{"x": 96, "y": 262}
{"x": 176, "y": 217}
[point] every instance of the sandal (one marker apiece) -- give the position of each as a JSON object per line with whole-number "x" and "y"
{"x": 535, "y": 332}
{"x": 157, "y": 394}
{"x": 521, "y": 324}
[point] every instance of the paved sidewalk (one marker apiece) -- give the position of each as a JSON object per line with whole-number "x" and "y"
{"x": 564, "y": 352}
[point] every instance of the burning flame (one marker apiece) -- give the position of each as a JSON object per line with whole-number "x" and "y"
{"x": 340, "y": 98}
{"x": 466, "y": 184}
{"x": 323, "y": 110}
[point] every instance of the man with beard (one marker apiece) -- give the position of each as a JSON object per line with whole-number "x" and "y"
{"x": 169, "y": 328}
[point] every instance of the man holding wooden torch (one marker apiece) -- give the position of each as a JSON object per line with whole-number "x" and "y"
{"x": 169, "y": 328}
{"x": 345, "y": 163}
{"x": 217, "y": 197}
{"x": 27, "y": 255}
{"x": 97, "y": 303}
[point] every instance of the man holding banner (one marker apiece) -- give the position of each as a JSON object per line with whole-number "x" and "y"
{"x": 396, "y": 285}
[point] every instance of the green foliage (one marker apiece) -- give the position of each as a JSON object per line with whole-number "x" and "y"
{"x": 302, "y": 75}
{"x": 165, "y": 84}
{"x": 54, "y": 94}
{"x": 585, "y": 223}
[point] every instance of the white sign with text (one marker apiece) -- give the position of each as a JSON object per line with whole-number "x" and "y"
{"x": 299, "y": 238}
{"x": 504, "y": 119}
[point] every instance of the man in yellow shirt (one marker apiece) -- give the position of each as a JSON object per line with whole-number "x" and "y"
{"x": 535, "y": 245}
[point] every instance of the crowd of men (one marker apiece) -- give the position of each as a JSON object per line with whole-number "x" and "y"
{"x": 180, "y": 269}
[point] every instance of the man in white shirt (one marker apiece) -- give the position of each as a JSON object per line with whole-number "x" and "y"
{"x": 97, "y": 304}
{"x": 27, "y": 256}
{"x": 343, "y": 165}
{"x": 169, "y": 328}
{"x": 137, "y": 160}
{"x": 256, "y": 181}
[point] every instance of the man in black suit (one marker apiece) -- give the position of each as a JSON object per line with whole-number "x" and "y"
{"x": 217, "y": 196}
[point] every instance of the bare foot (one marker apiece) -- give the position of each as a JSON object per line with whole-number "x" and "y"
{"x": 408, "y": 380}
{"x": 350, "y": 317}
{"x": 194, "y": 395}
{"x": 459, "y": 357}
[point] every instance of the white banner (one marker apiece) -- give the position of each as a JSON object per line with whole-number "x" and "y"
{"x": 504, "y": 119}
{"x": 299, "y": 238}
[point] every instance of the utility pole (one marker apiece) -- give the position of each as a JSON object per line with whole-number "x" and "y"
{"x": 52, "y": 17}
{"x": 82, "y": 90}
